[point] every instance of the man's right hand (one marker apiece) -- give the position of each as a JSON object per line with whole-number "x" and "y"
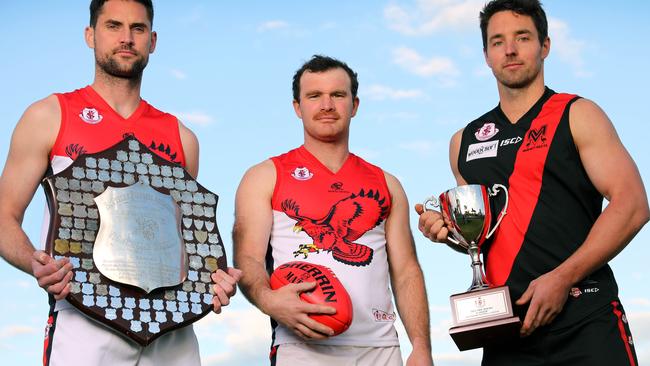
{"x": 52, "y": 275}
{"x": 432, "y": 224}
{"x": 285, "y": 306}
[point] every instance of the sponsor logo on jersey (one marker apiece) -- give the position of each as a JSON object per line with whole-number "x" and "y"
{"x": 591, "y": 290}
{"x": 486, "y": 132}
{"x": 91, "y": 116}
{"x": 512, "y": 141}
{"x": 536, "y": 139}
{"x": 382, "y": 316}
{"x": 337, "y": 187}
{"x": 575, "y": 292}
{"x": 302, "y": 173}
{"x": 482, "y": 150}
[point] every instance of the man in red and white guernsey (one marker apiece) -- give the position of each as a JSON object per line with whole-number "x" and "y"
{"x": 559, "y": 155}
{"x": 56, "y": 130}
{"x": 322, "y": 204}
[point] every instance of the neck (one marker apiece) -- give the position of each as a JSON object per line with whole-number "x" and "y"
{"x": 332, "y": 155}
{"x": 123, "y": 95}
{"x": 515, "y": 102}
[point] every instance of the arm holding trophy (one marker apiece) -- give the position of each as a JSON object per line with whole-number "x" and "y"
{"x": 25, "y": 165}
{"x": 601, "y": 153}
{"x": 225, "y": 281}
{"x": 483, "y": 314}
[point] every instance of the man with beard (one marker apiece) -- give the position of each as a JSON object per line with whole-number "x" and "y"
{"x": 559, "y": 155}
{"x": 56, "y": 130}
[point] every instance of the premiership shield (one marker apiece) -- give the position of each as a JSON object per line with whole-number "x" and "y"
{"x": 142, "y": 237}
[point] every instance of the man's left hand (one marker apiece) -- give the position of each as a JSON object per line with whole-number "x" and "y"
{"x": 225, "y": 286}
{"x": 419, "y": 357}
{"x": 547, "y": 295}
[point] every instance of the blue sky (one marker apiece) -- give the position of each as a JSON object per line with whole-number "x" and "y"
{"x": 225, "y": 69}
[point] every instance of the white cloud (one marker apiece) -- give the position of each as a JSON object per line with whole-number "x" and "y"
{"x": 238, "y": 335}
{"x": 428, "y": 16}
{"x": 178, "y": 74}
{"x": 11, "y": 331}
{"x": 411, "y": 61}
{"x": 568, "y": 49}
{"x": 195, "y": 117}
{"x": 382, "y": 92}
{"x": 421, "y": 147}
{"x": 272, "y": 25}
{"x": 640, "y": 301}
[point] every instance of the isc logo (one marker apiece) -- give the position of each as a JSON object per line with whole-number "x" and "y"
{"x": 512, "y": 141}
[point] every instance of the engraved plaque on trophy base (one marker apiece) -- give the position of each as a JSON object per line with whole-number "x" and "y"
{"x": 483, "y": 317}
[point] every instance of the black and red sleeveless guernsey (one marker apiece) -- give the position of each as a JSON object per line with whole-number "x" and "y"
{"x": 89, "y": 125}
{"x": 552, "y": 204}
{"x": 336, "y": 220}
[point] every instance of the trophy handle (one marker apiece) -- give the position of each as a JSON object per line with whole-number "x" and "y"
{"x": 493, "y": 192}
{"x": 436, "y": 203}
{"x": 433, "y": 200}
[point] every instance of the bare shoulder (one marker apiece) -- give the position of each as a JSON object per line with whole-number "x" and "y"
{"x": 589, "y": 123}
{"x": 190, "y": 149}
{"x": 44, "y": 113}
{"x": 260, "y": 179}
{"x": 394, "y": 187}
{"x": 263, "y": 171}
{"x": 39, "y": 124}
{"x": 454, "y": 150}
{"x": 186, "y": 132}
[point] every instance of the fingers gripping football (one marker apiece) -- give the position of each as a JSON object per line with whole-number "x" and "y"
{"x": 310, "y": 300}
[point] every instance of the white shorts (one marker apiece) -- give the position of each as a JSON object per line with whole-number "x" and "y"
{"x": 78, "y": 340}
{"x": 292, "y": 354}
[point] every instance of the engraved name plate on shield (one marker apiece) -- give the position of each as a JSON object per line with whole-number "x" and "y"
{"x": 139, "y": 241}
{"x": 142, "y": 237}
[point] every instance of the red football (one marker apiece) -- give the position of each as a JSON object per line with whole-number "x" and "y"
{"x": 328, "y": 291}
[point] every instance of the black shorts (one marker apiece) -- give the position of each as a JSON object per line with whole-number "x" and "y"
{"x": 602, "y": 338}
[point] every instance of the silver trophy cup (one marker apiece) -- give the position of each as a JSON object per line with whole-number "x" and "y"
{"x": 484, "y": 314}
{"x": 467, "y": 208}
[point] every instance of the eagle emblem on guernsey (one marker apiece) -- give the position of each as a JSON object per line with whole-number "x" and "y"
{"x": 346, "y": 221}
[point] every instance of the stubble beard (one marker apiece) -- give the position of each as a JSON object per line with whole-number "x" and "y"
{"x": 519, "y": 81}
{"x": 111, "y": 67}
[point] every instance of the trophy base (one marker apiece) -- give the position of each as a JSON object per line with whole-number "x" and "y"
{"x": 483, "y": 317}
{"x": 483, "y": 334}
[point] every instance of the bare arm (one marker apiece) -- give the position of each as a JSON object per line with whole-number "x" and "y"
{"x": 602, "y": 154}
{"x": 26, "y": 165}
{"x": 407, "y": 280}
{"x": 251, "y": 233}
{"x": 225, "y": 280}
{"x": 190, "y": 149}
{"x": 431, "y": 223}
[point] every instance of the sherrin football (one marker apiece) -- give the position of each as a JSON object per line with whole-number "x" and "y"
{"x": 328, "y": 291}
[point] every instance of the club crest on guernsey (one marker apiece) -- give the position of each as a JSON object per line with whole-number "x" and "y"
{"x": 486, "y": 132}
{"x": 91, "y": 115}
{"x": 302, "y": 173}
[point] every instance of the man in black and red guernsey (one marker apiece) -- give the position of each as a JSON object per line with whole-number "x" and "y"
{"x": 50, "y": 135}
{"x": 559, "y": 155}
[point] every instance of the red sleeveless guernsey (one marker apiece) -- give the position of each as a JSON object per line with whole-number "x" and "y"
{"x": 336, "y": 220}
{"x": 89, "y": 125}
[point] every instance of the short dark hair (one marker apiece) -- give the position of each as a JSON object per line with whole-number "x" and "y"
{"x": 97, "y": 5}
{"x": 531, "y": 8}
{"x": 320, "y": 63}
